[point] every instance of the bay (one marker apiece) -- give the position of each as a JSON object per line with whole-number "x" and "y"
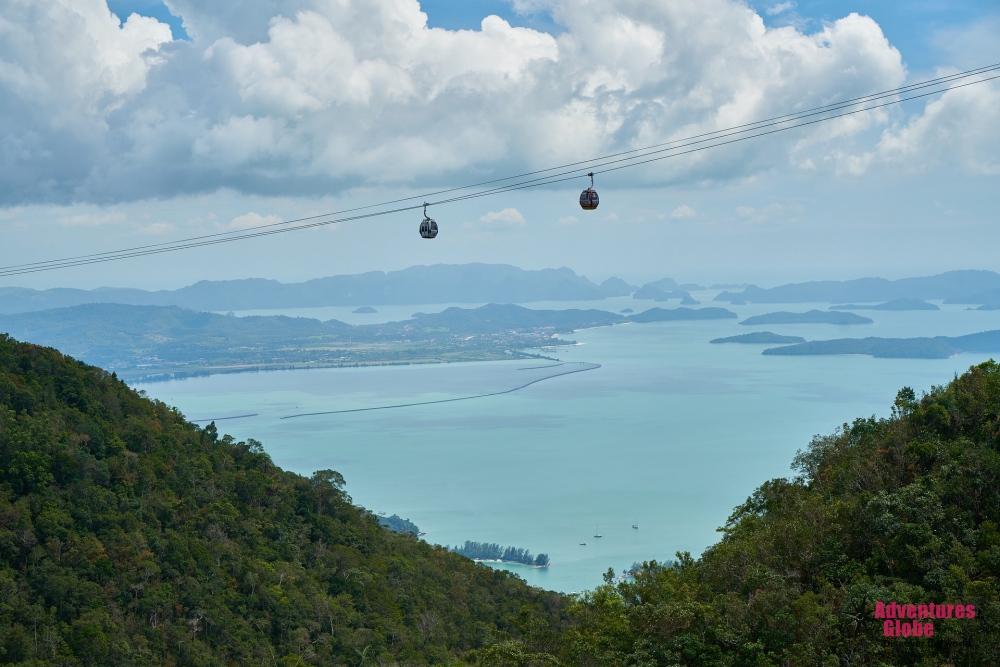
{"x": 669, "y": 432}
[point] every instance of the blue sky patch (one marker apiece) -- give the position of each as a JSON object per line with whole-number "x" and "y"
{"x": 152, "y": 8}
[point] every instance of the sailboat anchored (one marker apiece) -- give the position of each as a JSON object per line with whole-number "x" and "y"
{"x": 597, "y": 532}
{"x": 635, "y": 524}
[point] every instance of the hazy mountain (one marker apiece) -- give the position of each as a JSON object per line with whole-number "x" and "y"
{"x": 616, "y": 287}
{"x": 440, "y": 283}
{"x": 650, "y": 291}
{"x": 664, "y": 284}
{"x": 953, "y": 286}
{"x": 990, "y": 296}
{"x": 895, "y": 304}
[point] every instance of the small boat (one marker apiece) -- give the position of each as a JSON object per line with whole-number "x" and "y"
{"x": 583, "y": 544}
{"x": 635, "y": 525}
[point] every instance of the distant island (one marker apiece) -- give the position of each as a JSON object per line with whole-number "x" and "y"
{"x": 397, "y": 524}
{"x": 760, "y": 337}
{"x": 364, "y": 309}
{"x": 808, "y": 317}
{"x": 671, "y": 315}
{"x": 940, "y": 347}
{"x": 954, "y": 287}
{"x": 494, "y": 552}
{"x": 654, "y": 293}
{"x": 895, "y": 304}
{"x": 626, "y": 311}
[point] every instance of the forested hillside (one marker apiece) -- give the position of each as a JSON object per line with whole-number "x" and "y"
{"x": 129, "y": 536}
{"x": 903, "y": 509}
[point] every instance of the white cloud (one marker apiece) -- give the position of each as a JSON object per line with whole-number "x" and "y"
{"x": 92, "y": 219}
{"x": 567, "y": 220}
{"x": 251, "y": 220}
{"x": 67, "y": 66}
{"x": 780, "y": 7}
{"x": 959, "y": 129}
{"x": 508, "y": 217}
{"x": 683, "y": 211}
{"x": 768, "y": 213}
{"x": 306, "y": 97}
{"x": 156, "y": 229}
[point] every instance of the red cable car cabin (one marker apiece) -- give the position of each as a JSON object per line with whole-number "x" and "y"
{"x": 588, "y": 198}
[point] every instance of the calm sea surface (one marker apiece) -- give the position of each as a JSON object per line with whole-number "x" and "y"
{"x": 670, "y": 432}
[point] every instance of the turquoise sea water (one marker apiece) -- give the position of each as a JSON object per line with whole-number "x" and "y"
{"x": 670, "y": 431}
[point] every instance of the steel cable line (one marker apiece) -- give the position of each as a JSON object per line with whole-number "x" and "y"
{"x": 237, "y": 235}
{"x": 715, "y": 134}
{"x": 788, "y": 120}
{"x": 148, "y": 250}
{"x": 516, "y": 186}
{"x": 636, "y": 159}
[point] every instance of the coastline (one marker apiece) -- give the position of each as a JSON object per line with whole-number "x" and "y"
{"x": 510, "y": 562}
{"x": 167, "y": 373}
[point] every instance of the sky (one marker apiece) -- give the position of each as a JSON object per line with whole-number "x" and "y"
{"x": 146, "y": 121}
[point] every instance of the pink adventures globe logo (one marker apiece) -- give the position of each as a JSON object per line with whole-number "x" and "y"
{"x": 907, "y": 620}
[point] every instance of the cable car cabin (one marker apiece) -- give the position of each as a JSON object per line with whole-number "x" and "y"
{"x": 589, "y": 200}
{"x": 428, "y": 228}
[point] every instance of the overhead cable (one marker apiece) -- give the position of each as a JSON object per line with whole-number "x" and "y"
{"x": 552, "y": 175}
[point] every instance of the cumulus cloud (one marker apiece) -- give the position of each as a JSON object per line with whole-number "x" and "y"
{"x": 508, "y": 217}
{"x": 763, "y": 214}
{"x": 315, "y": 96}
{"x": 157, "y": 229}
{"x": 251, "y": 220}
{"x": 92, "y": 219}
{"x": 683, "y": 211}
{"x": 66, "y": 67}
{"x": 959, "y": 127}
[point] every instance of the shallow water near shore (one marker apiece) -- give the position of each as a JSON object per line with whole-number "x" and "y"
{"x": 669, "y": 432}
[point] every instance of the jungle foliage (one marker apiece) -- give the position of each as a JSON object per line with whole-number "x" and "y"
{"x": 903, "y": 509}
{"x": 129, "y": 536}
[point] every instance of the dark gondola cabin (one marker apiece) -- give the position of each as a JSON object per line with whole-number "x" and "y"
{"x": 428, "y": 228}
{"x": 588, "y": 198}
